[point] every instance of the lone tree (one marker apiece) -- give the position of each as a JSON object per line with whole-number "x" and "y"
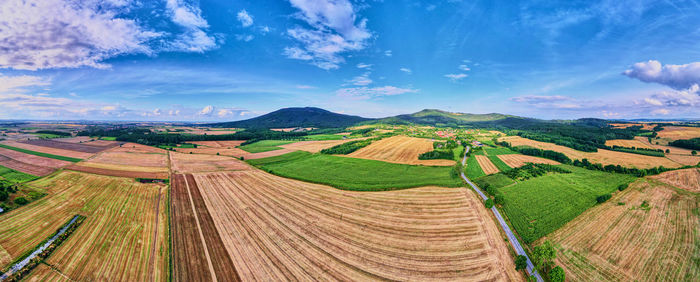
{"x": 694, "y": 152}
{"x": 543, "y": 256}
{"x": 557, "y": 274}
{"x": 520, "y": 262}
{"x": 668, "y": 151}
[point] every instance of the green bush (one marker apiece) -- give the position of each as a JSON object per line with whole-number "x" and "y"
{"x": 436, "y": 154}
{"x": 21, "y": 201}
{"x": 488, "y": 203}
{"x": 622, "y": 187}
{"x": 520, "y": 262}
{"x": 602, "y": 198}
{"x": 557, "y": 274}
{"x": 500, "y": 199}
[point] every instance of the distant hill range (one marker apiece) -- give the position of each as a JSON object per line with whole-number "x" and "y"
{"x": 296, "y": 117}
{"x": 320, "y": 118}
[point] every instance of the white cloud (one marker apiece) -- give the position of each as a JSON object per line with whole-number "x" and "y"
{"x": 208, "y": 110}
{"x": 174, "y": 112}
{"x": 244, "y": 37}
{"x": 536, "y": 99}
{"x": 675, "y": 76}
{"x": 364, "y": 66}
{"x": 406, "y": 70}
{"x": 660, "y": 112}
{"x": 245, "y": 19}
{"x": 456, "y": 77}
{"x": 362, "y": 79}
{"x": 301, "y": 86}
{"x": 464, "y": 68}
{"x": 72, "y": 33}
{"x": 653, "y": 102}
{"x": 388, "y": 53}
{"x": 16, "y": 84}
{"x": 335, "y": 29}
{"x": 367, "y": 93}
{"x": 189, "y": 18}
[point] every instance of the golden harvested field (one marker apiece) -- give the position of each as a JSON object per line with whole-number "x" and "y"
{"x": 645, "y": 126}
{"x": 190, "y": 163}
{"x": 679, "y": 155}
{"x": 517, "y": 160}
{"x": 628, "y": 143}
{"x": 124, "y": 167}
{"x": 49, "y": 150}
{"x": 223, "y": 151}
{"x": 486, "y": 165}
{"x": 687, "y": 179}
{"x": 158, "y": 160}
{"x": 613, "y": 242}
{"x": 125, "y": 235}
{"x": 219, "y": 144}
{"x": 679, "y": 132}
{"x": 137, "y": 148}
{"x": 277, "y": 229}
{"x": 268, "y": 154}
{"x": 316, "y": 146}
{"x": 399, "y": 149}
{"x": 604, "y": 157}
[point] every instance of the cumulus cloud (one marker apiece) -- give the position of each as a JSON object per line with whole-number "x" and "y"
{"x": 367, "y": 93}
{"x": 245, "y": 19}
{"x": 675, "y": 76}
{"x": 334, "y": 29}
{"x": 362, "y": 79}
{"x": 208, "y": 110}
{"x": 71, "y": 33}
{"x": 406, "y": 70}
{"x": 454, "y": 77}
{"x": 660, "y": 112}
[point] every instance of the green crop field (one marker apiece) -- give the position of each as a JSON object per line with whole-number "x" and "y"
{"x": 264, "y": 146}
{"x": 473, "y": 170}
{"x": 497, "y": 180}
{"x": 15, "y": 176}
{"x": 75, "y": 160}
{"x": 498, "y": 163}
{"x": 499, "y": 151}
{"x": 47, "y": 135}
{"x": 541, "y": 205}
{"x": 108, "y": 138}
{"x": 356, "y": 174}
{"x": 319, "y": 137}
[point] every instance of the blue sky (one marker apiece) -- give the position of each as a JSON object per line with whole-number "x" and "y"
{"x": 186, "y": 60}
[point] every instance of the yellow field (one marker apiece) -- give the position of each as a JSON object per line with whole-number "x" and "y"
{"x": 154, "y": 160}
{"x": 517, "y": 160}
{"x": 277, "y": 229}
{"x": 687, "y": 179}
{"x": 679, "y": 132}
{"x": 124, "y": 236}
{"x": 628, "y": 242}
{"x": 679, "y": 155}
{"x": 316, "y": 146}
{"x": 628, "y": 143}
{"x": 604, "y": 157}
{"x": 486, "y": 165}
{"x": 190, "y": 163}
{"x": 399, "y": 149}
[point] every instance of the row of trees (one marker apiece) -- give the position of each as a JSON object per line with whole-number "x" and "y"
{"x": 692, "y": 144}
{"x": 348, "y": 147}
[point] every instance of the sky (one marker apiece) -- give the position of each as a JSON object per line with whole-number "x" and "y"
{"x": 221, "y": 60}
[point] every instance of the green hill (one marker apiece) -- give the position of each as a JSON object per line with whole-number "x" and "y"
{"x": 296, "y": 117}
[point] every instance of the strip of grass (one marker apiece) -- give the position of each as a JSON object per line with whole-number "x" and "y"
{"x": 108, "y": 138}
{"x": 264, "y": 146}
{"x": 499, "y": 151}
{"x": 474, "y": 170}
{"x": 319, "y": 137}
{"x": 538, "y": 206}
{"x": 356, "y": 174}
{"x": 69, "y": 159}
{"x": 15, "y": 176}
{"x": 497, "y": 180}
{"x": 499, "y": 163}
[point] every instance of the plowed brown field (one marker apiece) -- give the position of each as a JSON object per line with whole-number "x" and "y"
{"x": 604, "y": 157}
{"x": 399, "y": 149}
{"x": 49, "y": 150}
{"x": 190, "y": 163}
{"x": 137, "y": 148}
{"x": 223, "y": 151}
{"x": 614, "y": 242}
{"x": 277, "y": 229}
{"x": 124, "y": 236}
{"x": 25, "y": 167}
{"x": 32, "y": 159}
{"x": 688, "y": 179}
{"x": 219, "y": 144}
{"x": 486, "y": 165}
{"x": 517, "y": 160}
{"x": 159, "y": 160}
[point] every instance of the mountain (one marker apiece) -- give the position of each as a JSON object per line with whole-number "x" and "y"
{"x": 438, "y": 117}
{"x": 296, "y": 117}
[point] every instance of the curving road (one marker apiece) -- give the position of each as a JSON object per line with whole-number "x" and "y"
{"x": 511, "y": 237}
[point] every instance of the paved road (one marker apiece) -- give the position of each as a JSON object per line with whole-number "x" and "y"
{"x": 511, "y": 237}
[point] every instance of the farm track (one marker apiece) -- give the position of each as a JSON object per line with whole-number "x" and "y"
{"x": 281, "y": 229}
